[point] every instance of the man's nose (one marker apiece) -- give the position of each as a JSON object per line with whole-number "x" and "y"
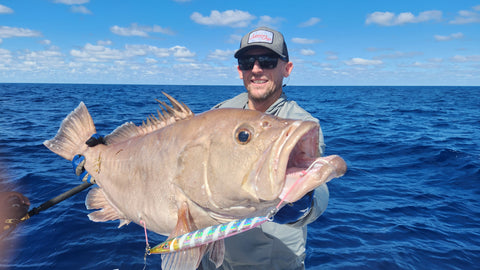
{"x": 257, "y": 67}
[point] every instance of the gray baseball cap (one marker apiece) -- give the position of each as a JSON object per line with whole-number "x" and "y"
{"x": 266, "y": 38}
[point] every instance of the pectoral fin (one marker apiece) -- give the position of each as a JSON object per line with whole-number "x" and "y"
{"x": 189, "y": 258}
{"x": 96, "y": 199}
{"x": 217, "y": 252}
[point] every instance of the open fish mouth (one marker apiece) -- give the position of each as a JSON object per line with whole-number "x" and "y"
{"x": 305, "y": 169}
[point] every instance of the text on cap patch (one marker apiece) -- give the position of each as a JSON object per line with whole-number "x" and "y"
{"x": 261, "y": 36}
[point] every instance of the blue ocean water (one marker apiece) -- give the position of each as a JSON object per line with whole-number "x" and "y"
{"x": 410, "y": 198}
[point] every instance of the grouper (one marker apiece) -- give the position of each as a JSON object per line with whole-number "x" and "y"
{"x": 179, "y": 172}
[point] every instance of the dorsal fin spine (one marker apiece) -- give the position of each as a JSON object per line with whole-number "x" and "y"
{"x": 168, "y": 115}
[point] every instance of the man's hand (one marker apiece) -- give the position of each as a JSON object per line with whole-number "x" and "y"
{"x": 78, "y": 161}
{"x": 293, "y": 212}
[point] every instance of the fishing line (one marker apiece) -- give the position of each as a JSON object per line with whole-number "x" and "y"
{"x": 147, "y": 247}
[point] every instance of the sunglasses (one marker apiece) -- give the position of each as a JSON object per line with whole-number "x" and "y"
{"x": 247, "y": 62}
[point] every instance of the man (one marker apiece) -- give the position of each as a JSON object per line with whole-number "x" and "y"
{"x": 263, "y": 62}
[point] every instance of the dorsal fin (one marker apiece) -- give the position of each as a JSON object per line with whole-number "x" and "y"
{"x": 169, "y": 115}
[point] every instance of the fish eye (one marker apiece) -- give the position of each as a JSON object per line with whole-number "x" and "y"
{"x": 243, "y": 136}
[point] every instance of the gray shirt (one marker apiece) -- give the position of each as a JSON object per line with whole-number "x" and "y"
{"x": 273, "y": 246}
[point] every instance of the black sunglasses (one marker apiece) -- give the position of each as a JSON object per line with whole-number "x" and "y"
{"x": 246, "y": 62}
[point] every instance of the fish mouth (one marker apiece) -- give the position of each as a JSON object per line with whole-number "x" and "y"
{"x": 299, "y": 167}
{"x": 301, "y": 180}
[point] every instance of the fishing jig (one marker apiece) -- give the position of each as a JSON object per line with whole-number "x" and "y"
{"x": 210, "y": 234}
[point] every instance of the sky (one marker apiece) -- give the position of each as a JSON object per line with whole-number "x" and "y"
{"x": 192, "y": 42}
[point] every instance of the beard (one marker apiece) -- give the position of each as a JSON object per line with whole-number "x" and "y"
{"x": 261, "y": 96}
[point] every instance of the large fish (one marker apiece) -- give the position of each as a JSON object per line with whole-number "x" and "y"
{"x": 180, "y": 172}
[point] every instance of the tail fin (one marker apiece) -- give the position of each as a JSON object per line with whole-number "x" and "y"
{"x": 75, "y": 130}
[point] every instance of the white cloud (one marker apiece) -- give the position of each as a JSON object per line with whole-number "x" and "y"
{"x": 133, "y": 30}
{"x": 159, "y": 29}
{"x": 435, "y": 60}
{"x": 363, "y": 62}
{"x": 375, "y": 49}
{"x": 305, "y": 41}
{"x": 4, "y": 53}
{"x": 138, "y": 30}
{"x": 269, "y": 21}
{"x": 430, "y": 15}
{"x": 72, "y": 2}
{"x": 185, "y": 60}
{"x": 231, "y": 18}
{"x": 463, "y": 59}
{"x": 149, "y": 60}
{"x": 307, "y": 52}
{"x": 37, "y": 61}
{"x": 159, "y": 52}
{"x": 5, "y": 10}
{"x": 331, "y": 55}
{"x": 222, "y": 55}
{"x": 45, "y": 42}
{"x": 397, "y": 55}
{"x": 97, "y": 53}
{"x": 449, "y": 37}
{"x": 466, "y": 16}
{"x": 390, "y": 19}
{"x": 422, "y": 65}
{"x": 310, "y": 22}
{"x": 181, "y": 52}
{"x": 41, "y": 55}
{"x": 103, "y": 54}
{"x": 80, "y": 9}
{"x": 382, "y": 18}
{"x": 143, "y": 50}
{"x": 104, "y": 42}
{"x": 8, "y": 32}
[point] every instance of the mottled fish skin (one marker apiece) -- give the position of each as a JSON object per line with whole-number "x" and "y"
{"x": 221, "y": 165}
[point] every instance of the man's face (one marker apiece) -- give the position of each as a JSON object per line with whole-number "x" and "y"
{"x": 262, "y": 83}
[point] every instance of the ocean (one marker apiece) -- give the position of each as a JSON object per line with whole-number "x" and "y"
{"x": 409, "y": 200}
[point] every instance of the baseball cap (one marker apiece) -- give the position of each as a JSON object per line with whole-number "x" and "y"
{"x": 266, "y": 38}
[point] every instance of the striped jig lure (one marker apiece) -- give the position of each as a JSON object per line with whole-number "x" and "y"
{"x": 209, "y": 234}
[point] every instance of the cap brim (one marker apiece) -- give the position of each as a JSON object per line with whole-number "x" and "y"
{"x": 241, "y": 51}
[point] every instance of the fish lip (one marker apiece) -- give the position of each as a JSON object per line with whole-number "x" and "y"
{"x": 300, "y": 168}
{"x": 291, "y": 141}
{"x": 320, "y": 171}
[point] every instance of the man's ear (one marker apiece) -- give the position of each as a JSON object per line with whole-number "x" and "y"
{"x": 288, "y": 69}
{"x": 240, "y": 73}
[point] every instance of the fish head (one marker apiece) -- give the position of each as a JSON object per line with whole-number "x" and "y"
{"x": 251, "y": 159}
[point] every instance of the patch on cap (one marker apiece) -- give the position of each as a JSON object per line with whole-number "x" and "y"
{"x": 261, "y": 36}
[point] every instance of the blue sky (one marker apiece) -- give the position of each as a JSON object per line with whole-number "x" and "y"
{"x": 431, "y": 42}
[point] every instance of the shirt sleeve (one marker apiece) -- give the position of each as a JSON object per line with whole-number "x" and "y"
{"x": 292, "y": 110}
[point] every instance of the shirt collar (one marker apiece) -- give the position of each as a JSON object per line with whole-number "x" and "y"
{"x": 275, "y": 107}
